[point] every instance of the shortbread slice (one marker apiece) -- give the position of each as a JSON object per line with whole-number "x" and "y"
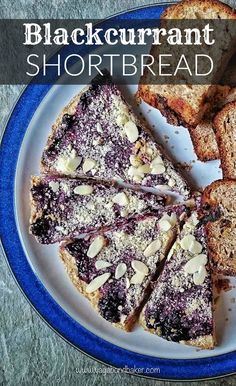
{"x": 180, "y": 308}
{"x": 66, "y": 208}
{"x": 98, "y": 135}
{"x": 114, "y": 269}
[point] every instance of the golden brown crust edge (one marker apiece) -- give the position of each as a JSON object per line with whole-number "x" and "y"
{"x": 210, "y": 151}
{"x": 206, "y": 342}
{"x": 218, "y": 264}
{"x": 218, "y": 124}
{"x": 176, "y": 111}
{"x": 209, "y": 3}
{"x": 206, "y": 196}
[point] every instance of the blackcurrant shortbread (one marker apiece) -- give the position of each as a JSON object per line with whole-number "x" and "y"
{"x": 114, "y": 269}
{"x": 98, "y": 135}
{"x": 180, "y": 306}
{"x": 63, "y": 208}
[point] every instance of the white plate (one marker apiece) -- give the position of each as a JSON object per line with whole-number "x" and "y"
{"x": 45, "y": 261}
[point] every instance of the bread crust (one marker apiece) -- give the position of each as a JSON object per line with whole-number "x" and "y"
{"x": 207, "y": 197}
{"x": 227, "y": 151}
{"x": 176, "y": 109}
{"x": 213, "y": 4}
{"x": 219, "y": 242}
{"x": 203, "y": 135}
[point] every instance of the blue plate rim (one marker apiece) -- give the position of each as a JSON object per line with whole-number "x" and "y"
{"x": 35, "y": 292}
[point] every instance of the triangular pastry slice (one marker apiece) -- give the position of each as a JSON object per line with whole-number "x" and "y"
{"x": 98, "y": 135}
{"x": 114, "y": 269}
{"x": 64, "y": 208}
{"x": 180, "y": 308}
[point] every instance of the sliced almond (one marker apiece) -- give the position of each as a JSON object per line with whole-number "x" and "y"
{"x": 158, "y": 169}
{"x": 122, "y": 119}
{"x": 156, "y": 161}
{"x": 132, "y": 171}
{"x": 120, "y": 270}
{"x": 195, "y": 263}
{"x": 134, "y": 160}
{"x": 88, "y": 165}
{"x": 171, "y": 182}
{"x": 139, "y": 267}
{"x": 124, "y": 212}
{"x": 144, "y": 169}
{"x": 98, "y": 282}
{"x": 152, "y": 248}
{"x": 68, "y": 163}
{"x": 121, "y": 199}
{"x": 138, "y": 179}
{"x": 195, "y": 247}
{"x": 165, "y": 224}
{"x": 127, "y": 283}
{"x": 96, "y": 246}
{"x": 173, "y": 219}
{"x": 186, "y": 241}
{"x": 100, "y": 264}
{"x": 131, "y": 131}
{"x": 199, "y": 277}
{"x": 137, "y": 278}
{"x": 171, "y": 251}
{"x": 54, "y": 186}
{"x": 83, "y": 190}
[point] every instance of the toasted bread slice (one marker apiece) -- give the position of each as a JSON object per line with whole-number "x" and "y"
{"x": 183, "y": 104}
{"x": 225, "y": 126}
{"x": 114, "y": 269}
{"x": 63, "y": 208}
{"x": 203, "y": 136}
{"x": 97, "y": 135}
{"x": 219, "y": 198}
{"x": 180, "y": 308}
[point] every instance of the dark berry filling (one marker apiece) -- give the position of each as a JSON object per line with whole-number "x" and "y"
{"x": 111, "y": 303}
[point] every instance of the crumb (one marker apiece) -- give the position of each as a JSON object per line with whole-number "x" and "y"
{"x": 185, "y": 166}
{"x": 176, "y": 132}
{"x": 137, "y": 98}
{"x": 222, "y": 285}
